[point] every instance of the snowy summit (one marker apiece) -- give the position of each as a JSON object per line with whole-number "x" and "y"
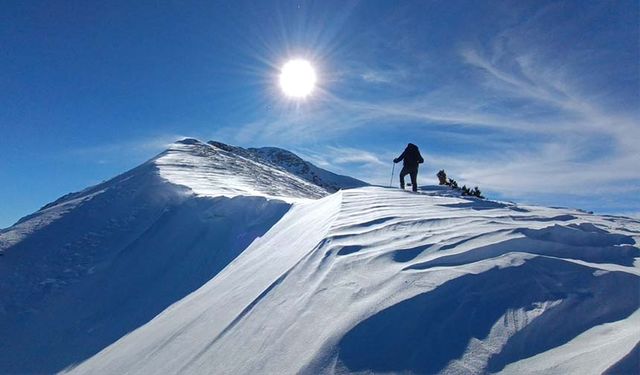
{"x": 212, "y": 258}
{"x": 217, "y": 169}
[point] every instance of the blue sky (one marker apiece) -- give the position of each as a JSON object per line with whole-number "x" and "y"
{"x": 533, "y": 101}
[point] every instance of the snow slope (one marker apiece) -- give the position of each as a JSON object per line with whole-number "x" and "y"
{"x": 212, "y": 170}
{"x": 302, "y": 168}
{"x": 385, "y": 281}
{"x": 292, "y": 163}
{"x": 92, "y": 266}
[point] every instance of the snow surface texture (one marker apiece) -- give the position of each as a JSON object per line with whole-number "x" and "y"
{"x": 386, "y": 281}
{"x": 294, "y": 164}
{"x": 217, "y": 171}
{"x": 92, "y": 266}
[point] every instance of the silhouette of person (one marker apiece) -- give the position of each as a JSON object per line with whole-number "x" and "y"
{"x": 411, "y": 158}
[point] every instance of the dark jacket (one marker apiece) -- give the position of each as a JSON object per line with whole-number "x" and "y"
{"x": 411, "y": 156}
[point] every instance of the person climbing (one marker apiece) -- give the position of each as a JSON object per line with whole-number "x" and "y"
{"x": 411, "y": 157}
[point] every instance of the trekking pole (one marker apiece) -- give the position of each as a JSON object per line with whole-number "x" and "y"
{"x": 392, "y": 170}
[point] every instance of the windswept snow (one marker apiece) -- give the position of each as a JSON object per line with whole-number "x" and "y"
{"x": 292, "y": 163}
{"x": 213, "y": 171}
{"x": 385, "y": 281}
{"x": 212, "y": 258}
{"x": 304, "y": 169}
{"x": 44, "y": 217}
{"x": 92, "y": 266}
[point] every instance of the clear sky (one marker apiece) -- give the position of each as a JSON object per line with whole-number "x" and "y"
{"x": 535, "y": 101}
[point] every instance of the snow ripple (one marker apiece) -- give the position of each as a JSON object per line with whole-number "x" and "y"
{"x": 376, "y": 280}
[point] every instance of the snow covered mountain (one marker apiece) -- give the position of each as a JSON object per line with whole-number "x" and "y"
{"x": 92, "y": 266}
{"x": 302, "y": 168}
{"x": 294, "y": 164}
{"x": 207, "y": 260}
{"x": 216, "y": 169}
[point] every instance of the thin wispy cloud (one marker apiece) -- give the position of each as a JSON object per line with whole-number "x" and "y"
{"x": 396, "y": 75}
{"x": 377, "y": 77}
{"x": 346, "y": 155}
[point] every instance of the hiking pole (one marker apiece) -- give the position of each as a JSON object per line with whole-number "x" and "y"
{"x": 392, "y": 170}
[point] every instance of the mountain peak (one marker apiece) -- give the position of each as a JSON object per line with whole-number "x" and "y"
{"x": 293, "y": 163}
{"x": 188, "y": 141}
{"x": 224, "y": 146}
{"x": 215, "y": 169}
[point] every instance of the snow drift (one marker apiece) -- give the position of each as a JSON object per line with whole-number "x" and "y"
{"x": 211, "y": 258}
{"x": 380, "y": 280}
{"x": 92, "y": 266}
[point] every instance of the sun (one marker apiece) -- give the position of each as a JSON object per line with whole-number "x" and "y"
{"x": 297, "y": 78}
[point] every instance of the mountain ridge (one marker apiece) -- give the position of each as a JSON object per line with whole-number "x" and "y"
{"x": 251, "y": 153}
{"x": 261, "y": 270}
{"x": 292, "y": 163}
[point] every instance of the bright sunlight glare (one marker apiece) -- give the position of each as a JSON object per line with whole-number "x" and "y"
{"x": 297, "y": 78}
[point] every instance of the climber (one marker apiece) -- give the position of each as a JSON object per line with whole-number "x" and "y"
{"x": 411, "y": 157}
